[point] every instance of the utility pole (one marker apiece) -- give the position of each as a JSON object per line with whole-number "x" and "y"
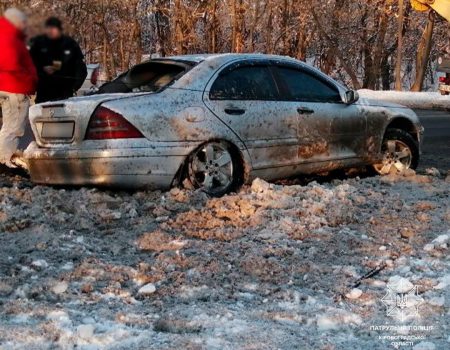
{"x": 398, "y": 65}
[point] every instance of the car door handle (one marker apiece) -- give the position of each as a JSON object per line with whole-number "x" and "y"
{"x": 235, "y": 111}
{"x": 304, "y": 110}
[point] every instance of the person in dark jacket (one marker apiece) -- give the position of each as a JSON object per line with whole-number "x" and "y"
{"x": 59, "y": 62}
{"x": 18, "y": 80}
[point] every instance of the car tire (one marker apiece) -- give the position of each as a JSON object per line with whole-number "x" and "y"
{"x": 215, "y": 168}
{"x": 400, "y": 152}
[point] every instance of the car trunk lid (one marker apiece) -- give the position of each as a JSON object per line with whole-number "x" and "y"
{"x": 65, "y": 122}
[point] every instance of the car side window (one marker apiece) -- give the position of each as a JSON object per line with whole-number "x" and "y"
{"x": 304, "y": 86}
{"x": 245, "y": 83}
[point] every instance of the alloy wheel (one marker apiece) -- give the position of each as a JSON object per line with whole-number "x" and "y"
{"x": 211, "y": 168}
{"x": 397, "y": 157}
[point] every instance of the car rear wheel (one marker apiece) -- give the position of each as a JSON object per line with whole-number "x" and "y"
{"x": 215, "y": 168}
{"x": 400, "y": 152}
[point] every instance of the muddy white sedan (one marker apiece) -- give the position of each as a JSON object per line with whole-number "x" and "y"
{"x": 216, "y": 122}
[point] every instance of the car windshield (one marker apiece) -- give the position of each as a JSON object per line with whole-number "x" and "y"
{"x": 151, "y": 76}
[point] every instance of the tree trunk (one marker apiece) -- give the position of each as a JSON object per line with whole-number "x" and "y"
{"x": 375, "y": 69}
{"x": 423, "y": 53}
{"x": 329, "y": 57}
{"x": 285, "y": 22}
{"x": 178, "y": 32}
{"x": 301, "y": 41}
{"x": 238, "y": 27}
{"x": 268, "y": 29}
{"x": 138, "y": 39}
{"x": 213, "y": 28}
{"x": 162, "y": 29}
{"x": 398, "y": 64}
{"x": 234, "y": 34}
{"x": 105, "y": 64}
{"x": 253, "y": 26}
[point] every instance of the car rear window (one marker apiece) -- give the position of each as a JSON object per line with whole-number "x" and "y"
{"x": 150, "y": 76}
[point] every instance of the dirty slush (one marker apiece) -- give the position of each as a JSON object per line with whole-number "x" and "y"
{"x": 273, "y": 267}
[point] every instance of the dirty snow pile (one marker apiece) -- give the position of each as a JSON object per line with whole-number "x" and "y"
{"x": 272, "y": 267}
{"x": 414, "y": 100}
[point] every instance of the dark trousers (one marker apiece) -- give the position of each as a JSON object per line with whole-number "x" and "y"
{"x": 52, "y": 92}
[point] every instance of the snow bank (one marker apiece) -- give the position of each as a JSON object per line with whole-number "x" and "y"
{"x": 92, "y": 269}
{"x": 415, "y": 100}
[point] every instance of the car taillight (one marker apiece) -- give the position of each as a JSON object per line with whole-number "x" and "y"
{"x": 94, "y": 76}
{"x": 445, "y": 80}
{"x": 106, "y": 124}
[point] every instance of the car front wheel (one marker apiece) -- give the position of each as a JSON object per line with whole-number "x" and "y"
{"x": 215, "y": 168}
{"x": 400, "y": 152}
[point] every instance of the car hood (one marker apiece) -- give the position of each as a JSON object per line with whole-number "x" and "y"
{"x": 393, "y": 110}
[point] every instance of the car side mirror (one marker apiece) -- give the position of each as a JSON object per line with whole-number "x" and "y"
{"x": 351, "y": 96}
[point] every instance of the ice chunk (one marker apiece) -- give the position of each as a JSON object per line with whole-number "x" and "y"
{"x": 354, "y": 293}
{"x": 148, "y": 289}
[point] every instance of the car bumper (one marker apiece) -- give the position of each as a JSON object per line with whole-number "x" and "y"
{"x": 151, "y": 168}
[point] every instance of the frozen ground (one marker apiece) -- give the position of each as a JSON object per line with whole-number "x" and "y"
{"x": 274, "y": 267}
{"x": 414, "y": 100}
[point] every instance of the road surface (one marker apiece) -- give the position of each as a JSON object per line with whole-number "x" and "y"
{"x": 436, "y": 148}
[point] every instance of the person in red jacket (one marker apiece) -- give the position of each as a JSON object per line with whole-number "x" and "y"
{"x": 18, "y": 80}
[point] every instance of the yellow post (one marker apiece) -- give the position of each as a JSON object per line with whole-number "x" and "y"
{"x": 419, "y": 6}
{"x": 442, "y": 7}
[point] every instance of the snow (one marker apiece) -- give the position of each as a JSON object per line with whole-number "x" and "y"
{"x": 60, "y": 287}
{"x": 40, "y": 264}
{"x": 85, "y": 331}
{"x": 439, "y": 242}
{"x": 444, "y": 282}
{"x": 273, "y": 266}
{"x": 414, "y": 100}
{"x": 437, "y": 301}
{"x": 424, "y": 346}
{"x": 337, "y": 318}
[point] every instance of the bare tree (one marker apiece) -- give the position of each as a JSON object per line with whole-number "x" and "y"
{"x": 353, "y": 41}
{"x": 423, "y": 53}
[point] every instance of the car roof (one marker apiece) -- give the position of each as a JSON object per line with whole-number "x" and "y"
{"x": 225, "y": 57}
{"x": 217, "y": 60}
